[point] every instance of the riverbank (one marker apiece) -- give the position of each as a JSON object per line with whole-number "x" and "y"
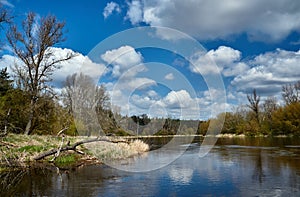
{"x": 68, "y": 151}
{"x": 65, "y": 151}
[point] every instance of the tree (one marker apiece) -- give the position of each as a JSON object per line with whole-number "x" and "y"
{"x": 33, "y": 46}
{"x": 286, "y": 120}
{"x": 254, "y": 100}
{"x": 291, "y": 93}
{"x": 86, "y": 100}
{"x": 141, "y": 120}
{"x": 269, "y": 107}
{"x": 5, "y": 82}
{"x": 68, "y": 91}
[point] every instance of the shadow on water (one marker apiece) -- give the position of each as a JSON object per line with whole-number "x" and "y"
{"x": 234, "y": 167}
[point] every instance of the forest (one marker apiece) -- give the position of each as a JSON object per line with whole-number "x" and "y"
{"x": 29, "y": 104}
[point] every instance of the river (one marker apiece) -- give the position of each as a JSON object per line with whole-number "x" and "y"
{"x": 233, "y": 167}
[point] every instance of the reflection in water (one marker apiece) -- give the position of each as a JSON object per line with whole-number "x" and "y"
{"x": 235, "y": 167}
{"x": 258, "y": 173}
{"x": 181, "y": 175}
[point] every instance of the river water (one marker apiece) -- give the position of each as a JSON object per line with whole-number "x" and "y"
{"x": 234, "y": 167}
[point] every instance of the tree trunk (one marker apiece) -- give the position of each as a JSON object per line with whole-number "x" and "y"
{"x": 31, "y": 114}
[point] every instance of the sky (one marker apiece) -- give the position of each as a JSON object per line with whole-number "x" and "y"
{"x": 145, "y": 51}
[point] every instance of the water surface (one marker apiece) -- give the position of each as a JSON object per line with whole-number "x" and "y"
{"x": 234, "y": 167}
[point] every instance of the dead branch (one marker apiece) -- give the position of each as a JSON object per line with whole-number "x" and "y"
{"x": 59, "y": 149}
{"x": 62, "y": 131}
{"x": 73, "y": 147}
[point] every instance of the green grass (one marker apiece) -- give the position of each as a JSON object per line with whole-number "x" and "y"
{"x": 66, "y": 160}
{"x": 31, "y": 148}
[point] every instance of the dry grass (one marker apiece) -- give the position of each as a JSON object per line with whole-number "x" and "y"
{"x": 19, "y": 149}
{"x": 23, "y": 148}
{"x": 111, "y": 151}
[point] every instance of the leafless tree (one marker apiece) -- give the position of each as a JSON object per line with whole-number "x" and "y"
{"x": 86, "y": 100}
{"x": 68, "y": 91}
{"x": 254, "y": 100}
{"x": 291, "y": 93}
{"x": 33, "y": 46}
{"x": 269, "y": 106}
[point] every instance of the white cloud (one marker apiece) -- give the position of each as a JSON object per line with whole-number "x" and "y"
{"x": 152, "y": 93}
{"x": 269, "y": 72}
{"x": 178, "y": 99}
{"x": 228, "y": 60}
{"x": 268, "y": 20}
{"x": 203, "y": 64}
{"x": 109, "y": 8}
{"x": 134, "y": 13}
{"x": 225, "y": 60}
{"x": 79, "y": 63}
{"x": 122, "y": 59}
{"x": 169, "y": 76}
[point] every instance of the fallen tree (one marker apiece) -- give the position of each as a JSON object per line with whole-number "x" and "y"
{"x": 73, "y": 147}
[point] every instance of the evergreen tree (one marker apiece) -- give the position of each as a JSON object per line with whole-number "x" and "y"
{"x": 5, "y": 82}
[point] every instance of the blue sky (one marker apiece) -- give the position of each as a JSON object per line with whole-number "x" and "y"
{"x": 252, "y": 43}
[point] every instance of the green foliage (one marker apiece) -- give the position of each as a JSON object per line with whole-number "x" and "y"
{"x": 203, "y": 127}
{"x": 5, "y": 82}
{"x": 286, "y": 120}
{"x": 16, "y": 101}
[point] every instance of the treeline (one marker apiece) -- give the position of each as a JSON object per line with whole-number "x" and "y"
{"x": 267, "y": 117}
{"x": 255, "y": 118}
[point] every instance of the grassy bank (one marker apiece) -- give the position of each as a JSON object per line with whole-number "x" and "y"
{"x": 21, "y": 150}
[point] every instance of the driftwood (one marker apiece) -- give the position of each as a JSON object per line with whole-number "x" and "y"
{"x": 73, "y": 147}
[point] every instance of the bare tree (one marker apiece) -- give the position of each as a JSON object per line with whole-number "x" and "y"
{"x": 33, "y": 46}
{"x": 68, "y": 91}
{"x": 291, "y": 93}
{"x": 269, "y": 106}
{"x": 254, "y": 100}
{"x": 86, "y": 101}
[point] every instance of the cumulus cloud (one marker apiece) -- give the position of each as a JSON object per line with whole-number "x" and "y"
{"x": 223, "y": 60}
{"x": 202, "y": 64}
{"x": 178, "y": 104}
{"x": 134, "y": 13}
{"x": 110, "y": 8}
{"x": 178, "y": 99}
{"x": 228, "y": 60}
{"x": 269, "y": 71}
{"x": 266, "y": 72}
{"x": 122, "y": 59}
{"x": 268, "y": 20}
{"x": 79, "y": 63}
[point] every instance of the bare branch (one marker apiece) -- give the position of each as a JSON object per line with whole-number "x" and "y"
{"x": 254, "y": 100}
